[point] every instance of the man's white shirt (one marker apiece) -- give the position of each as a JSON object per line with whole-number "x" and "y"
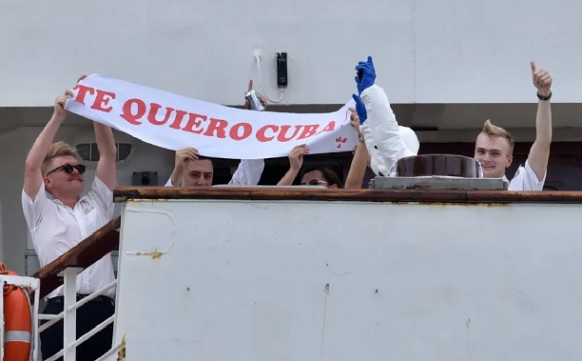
{"x": 525, "y": 179}
{"x": 56, "y": 228}
{"x": 248, "y": 173}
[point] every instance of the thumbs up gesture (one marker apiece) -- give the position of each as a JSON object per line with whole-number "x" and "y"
{"x": 541, "y": 80}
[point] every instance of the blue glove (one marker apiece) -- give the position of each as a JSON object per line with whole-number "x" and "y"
{"x": 366, "y": 74}
{"x": 360, "y": 109}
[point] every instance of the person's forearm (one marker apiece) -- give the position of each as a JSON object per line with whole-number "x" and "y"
{"x": 383, "y": 127}
{"x": 176, "y": 176}
{"x": 357, "y": 168}
{"x": 107, "y": 165}
{"x": 539, "y": 154}
{"x": 288, "y": 178}
{"x": 42, "y": 143}
{"x": 544, "y": 122}
{"x": 105, "y": 141}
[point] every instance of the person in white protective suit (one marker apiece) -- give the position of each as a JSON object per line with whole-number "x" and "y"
{"x": 386, "y": 141}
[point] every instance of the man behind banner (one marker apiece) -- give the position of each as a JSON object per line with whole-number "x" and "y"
{"x": 193, "y": 170}
{"x": 58, "y": 218}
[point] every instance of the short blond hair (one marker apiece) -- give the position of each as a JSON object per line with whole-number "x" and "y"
{"x": 58, "y": 149}
{"x": 492, "y": 130}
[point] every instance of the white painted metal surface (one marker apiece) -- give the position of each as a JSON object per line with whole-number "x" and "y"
{"x": 446, "y": 51}
{"x": 70, "y": 319}
{"x": 260, "y": 280}
{"x": 451, "y": 51}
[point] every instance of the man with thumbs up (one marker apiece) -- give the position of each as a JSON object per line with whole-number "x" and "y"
{"x": 494, "y": 145}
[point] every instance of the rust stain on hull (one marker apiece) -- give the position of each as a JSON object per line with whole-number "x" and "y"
{"x": 154, "y": 254}
{"x": 466, "y": 204}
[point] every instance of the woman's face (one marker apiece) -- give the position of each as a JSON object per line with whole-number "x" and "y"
{"x": 314, "y": 178}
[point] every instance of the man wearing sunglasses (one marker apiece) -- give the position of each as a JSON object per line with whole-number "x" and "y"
{"x": 58, "y": 218}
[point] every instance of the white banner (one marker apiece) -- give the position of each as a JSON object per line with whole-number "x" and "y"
{"x": 174, "y": 122}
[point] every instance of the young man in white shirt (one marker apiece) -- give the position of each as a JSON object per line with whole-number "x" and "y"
{"x": 494, "y": 145}
{"x": 58, "y": 218}
{"x": 193, "y": 170}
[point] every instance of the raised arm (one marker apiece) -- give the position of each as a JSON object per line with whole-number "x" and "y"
{"x": 295, "y": 162}
{"x": 378, "y": 122}
{"x": 539, "y": 153}
{"x": 360, "y": 159}
{"x": 249, "y": 171}
{"x": 33, "y": 177}
{"x": 107, "y": 165}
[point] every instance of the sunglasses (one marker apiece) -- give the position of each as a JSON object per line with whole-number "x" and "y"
{"x": 314, "y": 182}
{"x": 68, "y": 168}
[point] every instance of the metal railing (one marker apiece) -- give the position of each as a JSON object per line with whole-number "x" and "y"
{"x": 69, "y": 315}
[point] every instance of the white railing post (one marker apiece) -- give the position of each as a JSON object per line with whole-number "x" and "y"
{"x": 70, "y": 307}
{"x": 2, "y": 321}
{"x": 70, "y": 319}
{"x": 35, "y": 333}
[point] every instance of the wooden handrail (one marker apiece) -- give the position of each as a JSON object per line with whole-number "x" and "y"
{"x": 83, "y": 255}
{"x": 129, "y": 194}
{"x": 106, "y": 239}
